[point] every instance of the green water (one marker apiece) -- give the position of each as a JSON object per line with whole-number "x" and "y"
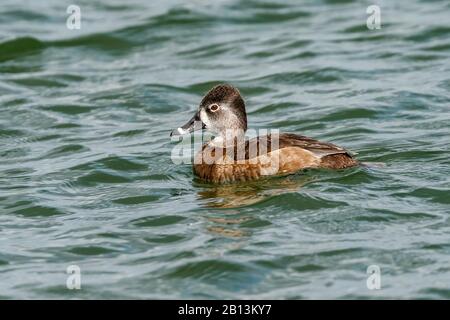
{"x": 86, "y": 176}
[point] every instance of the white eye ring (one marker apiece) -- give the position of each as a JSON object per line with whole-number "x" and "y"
{"x": 214, "y": 107}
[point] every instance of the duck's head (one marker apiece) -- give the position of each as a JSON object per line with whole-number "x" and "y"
{"x": 221, "y": 110}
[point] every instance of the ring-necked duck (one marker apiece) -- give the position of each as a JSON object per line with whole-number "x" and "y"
{"x": 230, "y": 157}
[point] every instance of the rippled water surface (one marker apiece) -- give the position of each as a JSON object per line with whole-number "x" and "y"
{"x": 86, "y": 176}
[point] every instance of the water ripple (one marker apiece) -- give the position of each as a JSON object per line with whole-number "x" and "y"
{"x": 86, "y": 176}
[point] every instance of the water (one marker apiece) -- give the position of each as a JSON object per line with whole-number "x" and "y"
{"x": 86, "y": 177}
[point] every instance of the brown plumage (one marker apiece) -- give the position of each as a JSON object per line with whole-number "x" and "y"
{"x": 293, "y": 153}
{"x": 241, "y": 160}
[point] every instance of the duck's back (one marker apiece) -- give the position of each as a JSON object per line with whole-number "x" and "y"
{"x": 329, "y": 155}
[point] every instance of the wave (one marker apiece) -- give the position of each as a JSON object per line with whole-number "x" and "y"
{"x": 18, "y": 47}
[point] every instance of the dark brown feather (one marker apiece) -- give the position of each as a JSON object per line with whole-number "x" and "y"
{"x": 338, "y": 161}
{"x": 315, "y": 146}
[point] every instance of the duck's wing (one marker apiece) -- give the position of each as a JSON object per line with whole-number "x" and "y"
{"x": 318, "y": 148}
{"x": 268, "y": 143}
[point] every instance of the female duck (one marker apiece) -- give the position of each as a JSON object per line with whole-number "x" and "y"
{"x": 231, "y": 157}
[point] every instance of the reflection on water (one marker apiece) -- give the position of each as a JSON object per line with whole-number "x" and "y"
{"x": 245, "y": 194}
{"x": 238, "y": 195}
{"x": 227, "y": 232}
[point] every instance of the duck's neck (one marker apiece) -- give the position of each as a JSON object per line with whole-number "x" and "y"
{"x": 229, "y": 138}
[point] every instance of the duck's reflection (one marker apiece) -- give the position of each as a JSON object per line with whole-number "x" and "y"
{"x": 245, "y": 194}
{"x": 238, "y": 195}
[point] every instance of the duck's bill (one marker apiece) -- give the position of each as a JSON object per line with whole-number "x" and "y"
{"x": 192, "y": 125}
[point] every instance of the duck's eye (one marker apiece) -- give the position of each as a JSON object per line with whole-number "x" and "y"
{"x": 214, "y": 107}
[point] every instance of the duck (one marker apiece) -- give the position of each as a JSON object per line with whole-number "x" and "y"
{"x": 230, "y": 156}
